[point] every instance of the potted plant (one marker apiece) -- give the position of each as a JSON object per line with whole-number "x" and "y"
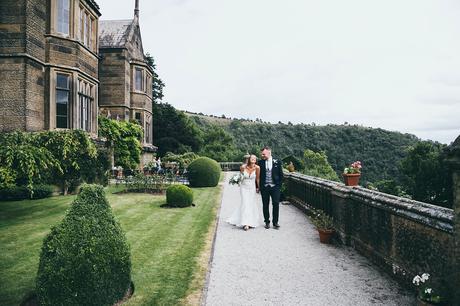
{"x": 352, "y": 173}
{"x": 426, "y": 294}
{"x": 324, "y": 224}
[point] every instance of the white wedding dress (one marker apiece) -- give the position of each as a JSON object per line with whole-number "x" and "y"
{"x": 248, "y": 211}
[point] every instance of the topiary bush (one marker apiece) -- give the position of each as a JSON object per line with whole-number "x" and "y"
{"x": 179, "y": 196}
{"x": 203, "y": 172}
{"x": 85, "y": 260}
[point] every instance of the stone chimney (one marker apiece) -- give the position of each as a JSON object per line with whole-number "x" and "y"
{"x": 136, "y": 9}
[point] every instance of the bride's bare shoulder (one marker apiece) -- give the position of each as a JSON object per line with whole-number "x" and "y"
{"x": 242, "y": 167}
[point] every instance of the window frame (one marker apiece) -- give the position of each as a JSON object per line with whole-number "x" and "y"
{"x": 58, "y": 12}
{"x": 142, "y": 80}
{"x": 57, "y": 89}
{"x": 87, "y": 28}
{"x": 85, "y": 105}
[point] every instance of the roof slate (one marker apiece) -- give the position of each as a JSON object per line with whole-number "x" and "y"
{"x": 114, "y": 33}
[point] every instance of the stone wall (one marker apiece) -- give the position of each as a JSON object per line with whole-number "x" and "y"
{"x": 115, "y": 82}
{"x": 404, "y": 237}
{"x": 12, "y": 26}
{"x": 22, "y": 52}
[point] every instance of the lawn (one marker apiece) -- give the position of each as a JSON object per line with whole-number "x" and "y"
{"x": 166, "y": 244}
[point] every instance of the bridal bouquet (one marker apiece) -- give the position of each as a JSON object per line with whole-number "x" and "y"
{"x": 236, "y": 179}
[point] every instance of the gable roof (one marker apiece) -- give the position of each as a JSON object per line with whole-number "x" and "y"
{"x": 115, "y": 33}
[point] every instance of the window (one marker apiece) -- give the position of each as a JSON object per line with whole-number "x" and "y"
{"x": 63, "y": 16}
{"x": 137, "y": 116}
{"x": 87, "y": 30}
{"x": 147, "y": 83}
{"x": 62, "y": 100}
{"x": 147, "y": 132}
{"x": 85, "y": 105}
{"x": 139, "y": 79}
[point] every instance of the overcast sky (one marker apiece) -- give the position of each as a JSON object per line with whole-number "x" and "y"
{"x": 391, "y": 64}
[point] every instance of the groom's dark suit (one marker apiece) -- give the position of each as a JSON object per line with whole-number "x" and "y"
{"x": 272, "y": 190}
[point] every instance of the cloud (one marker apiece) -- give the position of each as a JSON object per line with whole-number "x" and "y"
{"x": 389, "y": 64}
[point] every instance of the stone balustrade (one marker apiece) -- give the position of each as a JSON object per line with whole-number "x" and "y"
{"x": 402, "y": 236}
{"x": 230, "y": 166}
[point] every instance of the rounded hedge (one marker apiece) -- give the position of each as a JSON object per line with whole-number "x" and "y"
{"x": 179, "y": 196}
{"x": 203, "y": 172}
{"x": 85, "y": 260}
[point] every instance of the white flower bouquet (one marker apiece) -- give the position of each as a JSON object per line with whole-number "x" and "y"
{"x": 236, "y": 179}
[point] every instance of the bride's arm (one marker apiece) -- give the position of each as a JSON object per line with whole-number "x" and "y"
{"x": 242, "y": 168}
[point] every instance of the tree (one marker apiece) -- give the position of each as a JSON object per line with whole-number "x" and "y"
{"x": 426, "y": 177}
{"x": 390, "y": 187}
{"x": 173, "y": 131}
{"x": 218, "y": 145}
{"x": 23, "y": 161}
{"x": 316, "y": 164}
{"x": 73, "y": 149}
{"x": 157, "y": 83}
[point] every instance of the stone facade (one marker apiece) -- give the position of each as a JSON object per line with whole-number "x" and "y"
{"x": 43, "y": 45}
{"x": 125, "y": 77}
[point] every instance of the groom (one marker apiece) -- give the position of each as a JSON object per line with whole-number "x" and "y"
{"x": 271, "y": 176}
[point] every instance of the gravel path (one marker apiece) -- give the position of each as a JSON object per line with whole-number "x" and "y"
{"x": 290, "y": 266}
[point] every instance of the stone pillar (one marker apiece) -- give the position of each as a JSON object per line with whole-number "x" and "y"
{"x": 453, "y": 160}
{"x": 342, "y": 213}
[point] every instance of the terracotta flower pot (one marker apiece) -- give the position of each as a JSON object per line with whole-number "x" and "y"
{"x": 325, "y": 235}
{"x": 351, "y": 179}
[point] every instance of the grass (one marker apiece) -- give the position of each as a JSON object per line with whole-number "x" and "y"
{"x": 166, "y": 244}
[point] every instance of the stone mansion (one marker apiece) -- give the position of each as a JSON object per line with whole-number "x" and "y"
{"x": 60, "y": 66}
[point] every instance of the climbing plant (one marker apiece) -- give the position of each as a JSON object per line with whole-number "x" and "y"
{"x": 124, "y": 138}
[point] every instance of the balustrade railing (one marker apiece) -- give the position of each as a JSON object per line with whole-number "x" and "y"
{"x": 403, "y": 236}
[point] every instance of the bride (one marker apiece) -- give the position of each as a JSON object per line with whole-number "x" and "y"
{"x": 247, "y": 214}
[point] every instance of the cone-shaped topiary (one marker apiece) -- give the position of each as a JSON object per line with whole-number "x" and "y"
{"x": 203, "y": 172}
{"x": 179, "y": 196}
{"x": 85, "y": 260}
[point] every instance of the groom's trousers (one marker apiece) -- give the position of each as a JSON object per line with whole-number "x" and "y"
{"x": 274, "y": 193}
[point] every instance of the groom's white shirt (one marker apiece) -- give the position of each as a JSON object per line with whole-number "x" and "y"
{"x": 269, "y": 163}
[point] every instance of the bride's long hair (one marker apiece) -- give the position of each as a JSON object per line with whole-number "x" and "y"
{"x": 248, "y": 162}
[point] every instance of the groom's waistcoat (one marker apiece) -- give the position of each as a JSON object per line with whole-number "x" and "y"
{"x": 268, "y": 177}
{"x": 274, "y": 176}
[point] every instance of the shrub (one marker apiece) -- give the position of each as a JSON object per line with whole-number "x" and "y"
{"x": 204, "y": 172}
{"x": 14, "y": 193}
{"x": 182, "y": 159}
{"x": 179, "y": 196}
{"x": 42, "y": 191}
{"x": 85, "y": 260}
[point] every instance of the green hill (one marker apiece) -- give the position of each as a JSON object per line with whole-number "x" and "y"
{"x": 379, "y": 150}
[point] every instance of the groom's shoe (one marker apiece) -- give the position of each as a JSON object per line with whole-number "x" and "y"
{"x": 276, "y": 226}
{"x": 267, "y": 225}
